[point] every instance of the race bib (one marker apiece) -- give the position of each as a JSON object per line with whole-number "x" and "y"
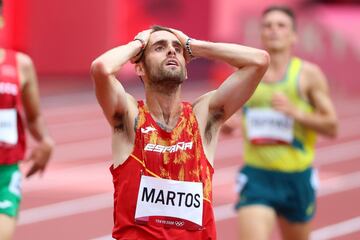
{"x": 8, "y": 126}
{"x": 170, "y": 203}
{"x": 266, "y": 126}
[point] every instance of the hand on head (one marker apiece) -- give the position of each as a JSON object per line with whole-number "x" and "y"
{"x": 143, "y": 37}
{"x": 183, "y": 38}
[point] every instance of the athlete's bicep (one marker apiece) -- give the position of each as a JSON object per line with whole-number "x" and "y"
{"x": 318, "y": 93}
{"x": 110, "y": 94}
{"x": 235, "y": 91}
{"x": 29, "y": 87}
{"x": 208, "y": 125}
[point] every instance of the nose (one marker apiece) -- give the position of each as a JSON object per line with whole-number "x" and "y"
{"x": 271, "y": 27}
{"x": 171, "y": 51}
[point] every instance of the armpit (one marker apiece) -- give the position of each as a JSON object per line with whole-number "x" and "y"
{"x": 214, "y": 118}
{"x": 118, "y": 119}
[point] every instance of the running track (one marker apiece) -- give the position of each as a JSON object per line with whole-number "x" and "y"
{"x": 73, "y": 199}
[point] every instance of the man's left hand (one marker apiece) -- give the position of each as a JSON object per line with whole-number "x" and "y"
{"x": 39, "y": 157}
{"x": 281, "y": 103}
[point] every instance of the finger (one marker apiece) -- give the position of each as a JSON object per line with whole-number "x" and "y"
{"x": 278, "y": 102}
{"x": 30, "y": 157}
{"x": 279, "y": 96}
{"x": 137, "y": 58}
{"x": 148, "y": 32}
{"x": 277, "y": 99}
{"x": 43, "y": 168}
{"x": 34, "y": 168}
{"x": 174, "y": 30}
{"x": 278, "y": 107}
{"x": 275, "y": 104}
{"x": 180, "y": 35}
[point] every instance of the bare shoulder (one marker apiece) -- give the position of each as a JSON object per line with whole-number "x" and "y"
{"x": 131, "y": 98}
{"x": 133, "y": 103}
{"x": 25, "y": 68}
{"x": 132, "y": 111}
{"x": 24, "y": 60}
{"x": 313, "y": 75}
{"x": 315, "y": 83}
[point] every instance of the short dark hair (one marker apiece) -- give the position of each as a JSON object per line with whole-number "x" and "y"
{"x": 156, "y": 28}
{"x": 284, "y": 9}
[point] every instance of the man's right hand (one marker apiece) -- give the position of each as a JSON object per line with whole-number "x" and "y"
{"x": 143, "y": 37}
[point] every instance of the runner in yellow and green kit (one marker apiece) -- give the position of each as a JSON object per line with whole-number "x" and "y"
{"x": 280, "y": 122}
{"x": 274, "y": 141}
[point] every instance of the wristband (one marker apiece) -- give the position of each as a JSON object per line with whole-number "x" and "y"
{"x": 139, "y": 55}
{"x": 142, "y": 45}
{"x": 188, "y": 48}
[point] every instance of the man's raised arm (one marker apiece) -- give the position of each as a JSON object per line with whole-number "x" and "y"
{"x": 109, "y": 91}
{"x": 251, "y": 65}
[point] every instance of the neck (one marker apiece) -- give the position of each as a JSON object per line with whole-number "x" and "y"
{"x": 279, "y": 59}
{"x": 165, "y": 107}
{"x": 278, "y": 66}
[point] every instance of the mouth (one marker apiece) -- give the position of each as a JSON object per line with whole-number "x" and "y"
{"x": 171, "y": 62}
{"x": 273, "y": 37}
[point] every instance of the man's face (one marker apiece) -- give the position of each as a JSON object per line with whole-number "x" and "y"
{"x": 164, "y": 61}
{"x": 277, "y": 31}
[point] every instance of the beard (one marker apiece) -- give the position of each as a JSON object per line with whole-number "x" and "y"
{"x": 164, "y": 77}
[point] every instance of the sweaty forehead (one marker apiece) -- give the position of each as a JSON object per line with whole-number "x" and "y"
{"x": 162, "y": 35}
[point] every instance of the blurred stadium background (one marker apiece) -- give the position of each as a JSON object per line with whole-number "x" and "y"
{"x": 73, "y": 199}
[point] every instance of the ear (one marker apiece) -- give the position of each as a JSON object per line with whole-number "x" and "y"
{"x": 139, "y": 69}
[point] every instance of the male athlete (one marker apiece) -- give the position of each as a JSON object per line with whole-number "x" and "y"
{"x": 163, "y": 148}
{"x": 280, "y": 122}
{"x": 18, "y": 90}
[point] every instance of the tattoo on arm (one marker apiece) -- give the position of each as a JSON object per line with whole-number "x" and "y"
{"x": 135, "y": 124}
